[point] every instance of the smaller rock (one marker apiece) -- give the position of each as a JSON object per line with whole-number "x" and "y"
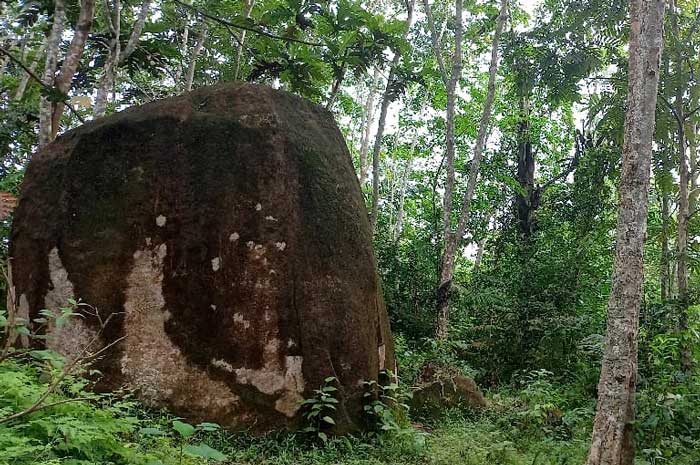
{"x": 433, "y": 398}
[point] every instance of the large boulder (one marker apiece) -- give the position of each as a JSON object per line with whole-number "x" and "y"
{"x": 225, "y": 231}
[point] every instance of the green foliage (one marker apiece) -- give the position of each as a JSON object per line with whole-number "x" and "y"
{"x": 318, "y": 411}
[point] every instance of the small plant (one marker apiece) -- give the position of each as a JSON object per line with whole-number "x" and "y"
{"x": 386, "y": 411}
{"x": 319, "y": 410}
{"x": 185, "y": 434}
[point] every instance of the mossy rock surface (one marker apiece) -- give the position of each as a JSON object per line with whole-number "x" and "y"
{"x": 225, "y": 230}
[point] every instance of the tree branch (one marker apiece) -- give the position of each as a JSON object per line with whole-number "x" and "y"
{"x": 247, "y": 28}
{"x": 38, "y": 79}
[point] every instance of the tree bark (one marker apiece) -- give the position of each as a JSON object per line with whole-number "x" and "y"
{"x": 368, "y": 120}
{"x": 113, "y": 18}
{"x": 612, "y": 441}
{"x": 239, "y": 52}
{"x": 52, "y": 48}
{"x": 454, "y": 241}
{"x": 116, "y": 56}
{"x": 526, "y": 201}
{"x": 195, "y": 54}
{"x": 386, "y": 100}
{"x": 683, "y": 204}
{"x": 26, "y": 77}
{"x": 337, "y": 84}
{"x": 398, "y": 225}
{"x": 72, "y": 60}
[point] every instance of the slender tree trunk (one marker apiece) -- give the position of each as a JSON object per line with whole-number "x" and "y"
{"x": 72, "y": 60}
{"x": 450, "y": 81}
{"x": 479, "y": 255}
{"x": 24, "y": 81}
{"x": 683, "y": 204}
{"x": 195, "y": 54}
{"x": 454, "y": 241}
{"x": 526, "y": 201}
{"x": 116, "y": 56}
{"x": 239, "y": 52}
{"x": 337, "y": 84}
{"x": 136, "y": 32}
{"x": 665, "y": 272}
{"x": 368, "y": 120}
{"x": 183, "y": 50}
{"x": 386, "y": 101}
{"x": 52, "y": 48}
{"x": 612, "y": 441}
{"x": 113, "y": 18}
{"x": 398, "y": 226}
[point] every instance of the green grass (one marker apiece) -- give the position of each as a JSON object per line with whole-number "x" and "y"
{"x": 518, "y": 428}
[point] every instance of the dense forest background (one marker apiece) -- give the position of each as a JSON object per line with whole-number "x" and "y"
{"x": 488, "y": 131}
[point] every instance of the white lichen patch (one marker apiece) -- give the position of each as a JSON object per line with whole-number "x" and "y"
{"x": 152, "y": 364}
{"x": 250, "y": 244}
{"x": 74, "y": 335}
{"x": 281, "y": 246}
{"x": 234, "y": 237}
{"x": 161, "y": 220}
{"x": 381, "y": 352}
{"x": 212, "y": 306}
{"x": 274, "y": 379}
{"x": 216, "y": 263}
{"x": 238, "y": 318}
{"x": 258, "y": 207}
{"x": 223, "y": 364}
{"x": 271, "y": 218}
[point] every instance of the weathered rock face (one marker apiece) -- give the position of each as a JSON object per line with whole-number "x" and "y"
{"x": 226, "y": 230}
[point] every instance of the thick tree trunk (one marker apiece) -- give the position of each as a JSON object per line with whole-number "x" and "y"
{"x": 72, "y": 60}
{"x": 612, "y": 441}
{"x": 368, "y": 120}
{"x": 201, "y": 37}
{"x": 386, "y": 100}
{"x": 454, "y": 241}
{"x": 52, "y": 48}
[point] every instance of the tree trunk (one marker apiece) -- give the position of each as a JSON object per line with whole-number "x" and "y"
{"x": 398, "y": 226}
{"x": 612, "y": 441}
{"x": 113, "y": 19}
{"x": 116, "y": 56}
{"x": 683, "y": 205}
{"x": 239, "y": 52}
{"x": 665, "y": 272}
{"x": 195, "y": 54}
{"x": 479, "y": 255}
{"x": 337, "y": 84}
{"x": 24, "y": 81}
{"x": 386, "y": 100}
{"x": 526, "y": 201}
{"x": 368, "y": 120}
{"x": 52, "y": 48}
{"x": 70, "y": 63}
{"x": 454, "y": 241}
